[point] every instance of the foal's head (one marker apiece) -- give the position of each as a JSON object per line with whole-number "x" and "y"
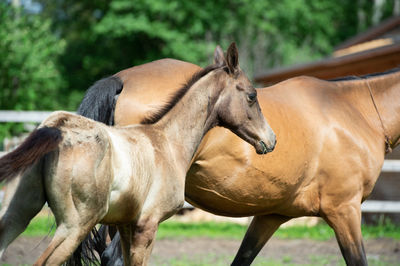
{"x": 237, "y": 106}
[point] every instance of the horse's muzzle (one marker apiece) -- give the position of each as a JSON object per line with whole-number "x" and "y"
{"x": 265, "y": 149}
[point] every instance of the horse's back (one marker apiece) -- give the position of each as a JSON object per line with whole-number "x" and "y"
{"x": 68, "y": 120}
{"x": 148, "y": 86}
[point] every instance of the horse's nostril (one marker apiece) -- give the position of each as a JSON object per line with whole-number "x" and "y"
{"x": 264, "y": 147}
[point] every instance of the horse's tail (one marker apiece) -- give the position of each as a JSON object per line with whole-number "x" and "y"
{"x": 40, "y": 142}
{"x": 99, "y": 101}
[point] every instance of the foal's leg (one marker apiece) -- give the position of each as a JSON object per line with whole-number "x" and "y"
{"x": 125, "y": 232}
{"x": 25, "y": 197}
{"x": 67, "y": 238}
{"x": 345, "y": 220}
{"x": 259, "y": 232}
{"x": 137, "y": 241}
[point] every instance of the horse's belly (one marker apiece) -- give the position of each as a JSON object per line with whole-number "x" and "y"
{"x": 234, "y": 202}
{"x": 122, "y": 208}
{"x": 225, "y": 187}
{"x": 126, "y": 198}
{"x": 233, "y": 196}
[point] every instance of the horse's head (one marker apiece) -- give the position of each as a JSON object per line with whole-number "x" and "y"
{"x": 237, "y": 106}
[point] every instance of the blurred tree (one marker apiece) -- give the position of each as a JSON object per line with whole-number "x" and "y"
{"x": 106, "y": 36}
{"x": 29, "y": 77}
{"x": 70, "y": 44}
{"x": 73, "y": 21}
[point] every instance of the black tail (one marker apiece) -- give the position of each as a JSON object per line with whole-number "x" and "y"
{"x": 112, "y": 255}
{"x": 40, "y": 142}
{"x": 99, "y": 101}
{"x": 85, "y": 253}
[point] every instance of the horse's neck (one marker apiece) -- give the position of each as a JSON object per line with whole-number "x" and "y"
{"x": 386, "y": 92}
{"x": 188, "y": 121}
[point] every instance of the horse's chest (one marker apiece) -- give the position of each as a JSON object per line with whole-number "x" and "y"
{"x": 133, "y": 173}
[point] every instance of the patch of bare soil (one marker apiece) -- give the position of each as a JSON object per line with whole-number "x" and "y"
{"x": 25, "y": 250}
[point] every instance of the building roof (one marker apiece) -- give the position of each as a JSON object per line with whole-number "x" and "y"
{"x": 372, "y": 33}
{"x": 375, "y": 50}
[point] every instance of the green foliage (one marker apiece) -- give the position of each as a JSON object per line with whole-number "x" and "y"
{"x": 290, "y": 32}
{"x": 106, "y": 36}
{"x": 29, "y": 76}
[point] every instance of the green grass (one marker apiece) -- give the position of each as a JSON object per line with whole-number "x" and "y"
{"x": 321, "y": 231}
{"x": 171, "y": 229}
{"x": 41, "y": 225}
{"x": 383, "y": 230}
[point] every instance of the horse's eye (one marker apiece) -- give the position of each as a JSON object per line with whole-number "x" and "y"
{"x": 251, "y": 97}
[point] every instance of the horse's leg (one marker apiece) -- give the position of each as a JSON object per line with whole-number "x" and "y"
{"x": 59, "y": 237}
{"x": 137, "y": 249}
{"x": 143, "y": 240}
{"x": 125, "y": 232}
{"x": 345, "y": 220}
{"x": 67, "y": 238}
{"x": 258, "y": 233}
{"x": 25, "y": 197}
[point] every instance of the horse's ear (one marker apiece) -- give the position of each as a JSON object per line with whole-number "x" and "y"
{"x": 232, "y": 58}
{"x": 219, "y": 58}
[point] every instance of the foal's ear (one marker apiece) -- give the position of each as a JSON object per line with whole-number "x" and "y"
{"x": 219, "y": 58}
{"x": 232, "y": 58}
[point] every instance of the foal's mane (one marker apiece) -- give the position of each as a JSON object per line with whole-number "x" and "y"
{"x": 372, "y": 75}
{"x": 157, "y": 115}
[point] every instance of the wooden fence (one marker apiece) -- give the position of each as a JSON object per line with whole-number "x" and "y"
{"x": 369, "y": 206}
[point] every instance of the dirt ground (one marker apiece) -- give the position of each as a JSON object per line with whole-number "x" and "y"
{"x": 203, "y": 251}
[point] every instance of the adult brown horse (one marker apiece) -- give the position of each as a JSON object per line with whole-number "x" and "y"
{"x": 331, "y": 147}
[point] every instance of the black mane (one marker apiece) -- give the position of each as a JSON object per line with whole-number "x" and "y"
{"x": 156, "y": 116}
{"x": 372, "y": 75}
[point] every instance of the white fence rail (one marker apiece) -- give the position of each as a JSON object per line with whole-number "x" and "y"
{"x": 23, "y": 116}
{"x": 368, "y": 206}
{"x": 380, "y": 206}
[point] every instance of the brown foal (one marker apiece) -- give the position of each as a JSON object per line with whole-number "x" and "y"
{"x": 132, "y": 176}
